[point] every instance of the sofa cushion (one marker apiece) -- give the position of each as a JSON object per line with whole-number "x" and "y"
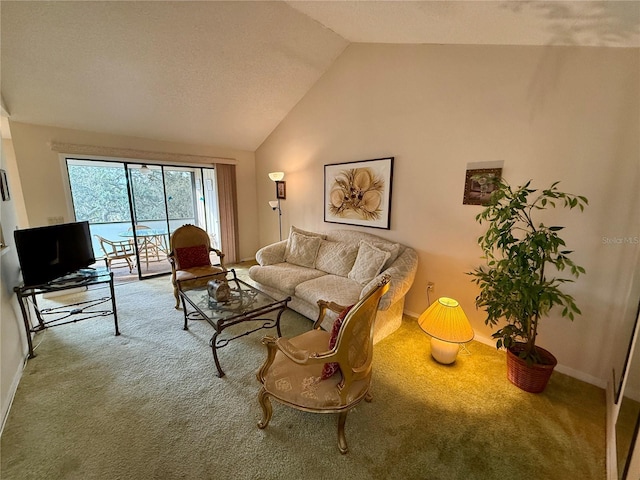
{"x": 333, "y": 288}
{"x": 283, "y": 276}
{"x": 336, "y": 257}
{"x": 293, "y": 229}
{"x": 392, "y": 248}
{"x": 354, "y": 237}
{"x": 302, "y": 250}
{"x": 369, "y": 263}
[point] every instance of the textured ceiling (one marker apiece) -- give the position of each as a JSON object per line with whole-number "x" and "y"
{"x": 213, "y": 73}
{"x": 226, "y": 73}
{"x": 521, "y": 22}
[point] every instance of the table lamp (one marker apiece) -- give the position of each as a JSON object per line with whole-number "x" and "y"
{"x": 448, "y": 327}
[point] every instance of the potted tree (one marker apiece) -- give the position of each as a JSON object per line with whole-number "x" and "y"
{"x": 521, "y": 280}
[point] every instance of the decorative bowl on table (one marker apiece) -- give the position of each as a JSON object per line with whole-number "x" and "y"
{"x": 218, "y": 290}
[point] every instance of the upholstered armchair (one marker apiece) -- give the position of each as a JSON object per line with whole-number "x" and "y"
{"x": 190, "y": 259}
{"x": 320, "y": 371}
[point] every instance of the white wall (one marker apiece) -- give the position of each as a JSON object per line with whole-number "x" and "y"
{"x": 13, "y": 343}
{"x": 550, "y": 113}
{"x": 41, "y": 175}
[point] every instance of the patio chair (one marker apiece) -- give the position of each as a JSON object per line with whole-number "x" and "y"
{"x": 190, "y": 258}
{"x": 322, "y": 372}
{"x": 117, "y": 250}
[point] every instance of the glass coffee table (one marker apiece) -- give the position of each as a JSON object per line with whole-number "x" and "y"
{"x": 245, "y": 304}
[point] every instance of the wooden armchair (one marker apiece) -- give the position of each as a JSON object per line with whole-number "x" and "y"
{"x": 117, "y": 250}
{"x": 190, "y": 249}
{"x": 310, "y": 373}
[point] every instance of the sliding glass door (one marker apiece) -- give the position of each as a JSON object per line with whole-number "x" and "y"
{"x": 140, "y": 205}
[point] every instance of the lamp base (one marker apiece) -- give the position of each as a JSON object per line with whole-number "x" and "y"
{"x": 444, "y": 352}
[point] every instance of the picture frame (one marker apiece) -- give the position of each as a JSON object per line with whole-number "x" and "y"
{"x": 478, "y": 185}
{"x": 359, "y": 193}
{"x": 281, "y": 190}
{"x": 4, "y": 186}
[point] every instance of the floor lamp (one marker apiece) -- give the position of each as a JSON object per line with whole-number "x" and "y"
{"x": 275, "y": 204}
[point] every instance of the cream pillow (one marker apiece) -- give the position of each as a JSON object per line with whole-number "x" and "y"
{"x": 295, "y": 229}
{"x": 368, "y": 263}
{"x": 302, "y": 250}
{"x": 336, "y": 258}
{"x": 392, "y": 248}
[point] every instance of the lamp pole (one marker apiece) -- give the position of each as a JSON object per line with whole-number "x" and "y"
{"x": 279, "y": 219}
{"x": 277, "y": 177}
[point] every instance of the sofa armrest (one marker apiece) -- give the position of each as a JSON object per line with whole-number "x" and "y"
{"x": 402, "y": 272}
{"x": 271, "y": 254}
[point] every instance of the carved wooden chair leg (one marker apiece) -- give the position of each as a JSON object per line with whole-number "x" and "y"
{"x": 342, "y": 440}
{"x": 267, "y": 410}
{"x": 175, "y": 294}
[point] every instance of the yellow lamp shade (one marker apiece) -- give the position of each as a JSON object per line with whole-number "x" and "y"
{"x": 446, "y": 321}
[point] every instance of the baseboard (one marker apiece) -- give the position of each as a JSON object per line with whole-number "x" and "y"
{"x": 610, "y": 439}
{"x": 248, "y": 259}
{"x": 598, "y": 382}
{"x": 12, "y": 393}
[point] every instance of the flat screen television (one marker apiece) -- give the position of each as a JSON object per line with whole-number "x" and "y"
{"x": 51, "y": 252}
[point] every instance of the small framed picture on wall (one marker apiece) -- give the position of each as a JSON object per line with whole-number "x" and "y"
{"x": 281, "y": 190}
{"x": 4, "y": 186}
{"x": 478, "y": 185}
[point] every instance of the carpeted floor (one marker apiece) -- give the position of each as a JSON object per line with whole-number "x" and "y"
{"x": 147, "y": 405}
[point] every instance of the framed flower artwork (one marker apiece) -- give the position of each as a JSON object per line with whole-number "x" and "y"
{"x": 359, "y": 193}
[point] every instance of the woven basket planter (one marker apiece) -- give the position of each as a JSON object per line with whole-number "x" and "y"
{"x": 530, "y": 378}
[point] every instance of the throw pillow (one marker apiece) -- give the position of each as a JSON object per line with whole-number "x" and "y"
{"x": 332, "y": 367}
{"x": 368, "y": 264}
{"x": 392, "y": 248}
{"x": 302, "y": 250}
{"x": 336, "y": 257}
{"x": 195, "y": 256}
{"x": 294, "y": 229}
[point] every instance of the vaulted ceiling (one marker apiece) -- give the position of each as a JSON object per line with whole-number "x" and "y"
{"x": 226, "y": 73}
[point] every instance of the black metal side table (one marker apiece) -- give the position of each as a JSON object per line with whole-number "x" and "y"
{"x": 70, "y": 313}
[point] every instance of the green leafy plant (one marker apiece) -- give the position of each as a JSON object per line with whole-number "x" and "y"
{"x": 521, "y": 280}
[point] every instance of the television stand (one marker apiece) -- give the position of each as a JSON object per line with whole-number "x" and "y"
{"x": 70, "y": 313}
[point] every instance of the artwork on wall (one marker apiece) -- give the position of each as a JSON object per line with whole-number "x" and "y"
{"x": 281, "y": 190}
{"x": 478, "y": 185}
{"x": 359, "y": 193}
{"x": 4, "y": 186}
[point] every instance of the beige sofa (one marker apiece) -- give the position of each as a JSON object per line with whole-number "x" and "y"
{"x": 338, "y": 266}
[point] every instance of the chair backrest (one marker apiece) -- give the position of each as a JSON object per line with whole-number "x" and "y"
{"x": 107, "y": 246}
{"x": 102, "y": 241}
{"x": 188, "y": 236}
{"x": 112, "y": 249}
{"x": 354, "y": 344}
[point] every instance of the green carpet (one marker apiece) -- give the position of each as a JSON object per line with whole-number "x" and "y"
{"x": 147, "y": 405}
